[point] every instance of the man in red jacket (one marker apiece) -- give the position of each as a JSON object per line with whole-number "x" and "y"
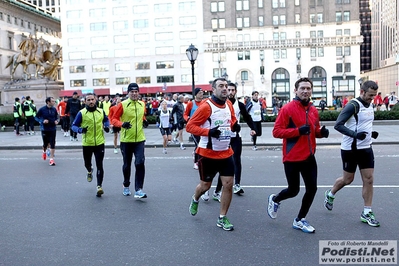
{"x": 298, "y": 125}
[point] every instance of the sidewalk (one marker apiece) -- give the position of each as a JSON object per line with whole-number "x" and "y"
{"x": 388, "y": 134}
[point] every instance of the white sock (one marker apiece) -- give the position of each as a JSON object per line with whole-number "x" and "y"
{"x": 331, "y": 194}
{"x": 367, "y": 209}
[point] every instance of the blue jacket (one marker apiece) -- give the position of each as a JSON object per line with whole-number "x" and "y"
{"x": 47, "y": 113}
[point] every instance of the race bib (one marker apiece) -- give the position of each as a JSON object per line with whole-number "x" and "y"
{"x": 225, "y": 133}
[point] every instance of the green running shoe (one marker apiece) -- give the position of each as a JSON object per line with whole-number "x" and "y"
{"x": 193, "y": 209}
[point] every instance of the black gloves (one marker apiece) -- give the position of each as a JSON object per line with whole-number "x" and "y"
{"x": 361, "y": 135}
{"x": 214, "y": 132}
{"x": 106, "y": 129}
{"x": 126, "y": 125}
{"x": 145, "y": 123}
{"x": 324, "y": 132}
{"x": 236, "y": 128}
{"x": 84, "y": 130}
{"x": 304, "y": 130}
{"x": 374, "y": 134}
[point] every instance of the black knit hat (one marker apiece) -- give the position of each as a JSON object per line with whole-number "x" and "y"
{"x": 132, "y": 86}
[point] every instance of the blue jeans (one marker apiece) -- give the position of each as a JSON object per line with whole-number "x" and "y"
{"x": 128, "y": 149}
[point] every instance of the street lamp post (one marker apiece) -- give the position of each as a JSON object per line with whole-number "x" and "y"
{"x": 192, "y": 54}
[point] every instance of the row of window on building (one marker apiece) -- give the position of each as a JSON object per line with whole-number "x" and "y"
{"x": 28, "y": 25}
{"x": 126, "y": 80}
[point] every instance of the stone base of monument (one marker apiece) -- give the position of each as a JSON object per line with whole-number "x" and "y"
{"x": 37, "y": 89}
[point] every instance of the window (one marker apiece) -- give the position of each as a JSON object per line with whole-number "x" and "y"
{"x": 98, "y": 40}
{"x": 122, "y": 67}
{"x": 319, "y": 18}
{"x": 118, "y": 11}
{"x": 247, "y": 55}
{"x": 99, "y": 54}
{"x": 77, "y": 69}
{"x": 275, "y": 20}
{"x": 71, "y": 27}
{"x": 240, "y": 56}
{"x": 165, "y": 79}
{"x": 121, "y": 38}
{"x": 101, "y": 82}
{"x": 140, "y": 9}
{"x": 162, "y": 22}
{"x": 296, "y": 2}
{"x": 347, "y": 15}
{"x": 164, "y": 36}
{"x": 22, "y": 23}
{"x": 312, "y": 34}
{"x": 282, "y": 3}
{"x": 298, "y": 18}
{"x": 122, "y": 81}
{"x": 283, "y": 53}
{"x": 297, "y": 34}
{"x": 121, "y": 25}
{"x": 187, "y": 6}
{"x": 74, "y": 14}
{"x": 76, "y": 55}
{"x": 338, "y": 68}
{"x": 282, "y": 20}
{"x": 312, "y": 18}
{"x": 140, "y": 23}
{"x": 164, "y": 50}
{"x": 214, "y": 7}
{"x": 283, "y": 36}
{"x": 163, "y": 8}
{"x": 312, "y": 51}
{"x": 320, "y": 34}
{"x": 246, "y": 22}
{"x": 338, "y": 16}
{"x": 98, "y": 26}
{"x": 142, "y": 51}
{"x": 165, "y": 64}
{"x": 8, "y": 18}
{"x": 100, "y": 68}
{"x": 347, "y": 32}
{"x": 239, "y": 23}
{"x": 276, "y": 36}
{"x": 217, "y": 6}
{"x": 347, "y": 67}
{"x": 218, "y": 72}
{"x": 338, "y": 32}
{"x": 142, "y": 65}
{"x": 347, "y": 50}
{"x": 29, "y": 25}
{"x": 338, "y": 51}
{"x": 298, "y": 52}
{"x": 97, "y": 13}
{"x": 320, "y": 52}
{"x": 260, "y": 3}
{"x": 275, "y": 4}
{"x": 143, "y": 80}
{"x": 276, "y": 54}
{"x": 260, "y": 21}
{"x": 187, "y": 20}
{"x": 244, "y": 75}
{"x": 122, "y": 53}
{"x": 78, "y": 83}
{"x": 76, "y": 41}
{"x": 145, "y": 37}
{"x": 245, "y": 4}
{"x": 1, "y": 15}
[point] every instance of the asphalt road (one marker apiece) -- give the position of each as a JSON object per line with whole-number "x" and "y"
{"x": 51, "y": 216}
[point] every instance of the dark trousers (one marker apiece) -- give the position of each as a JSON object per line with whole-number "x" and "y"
{"x": 258, "y": 130}
{"x": 129, "y": 149}
{"x": 308, "y": 170}
{"x": 65, "y": 123}
{"x": 71, "y": 132}
{"x": 16, "y": 125}
{"x": 236, "y": 145}
{"x": 98, "y": 152}
{"x": 30, "y": 123}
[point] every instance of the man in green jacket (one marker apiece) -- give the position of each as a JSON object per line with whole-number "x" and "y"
{"x": 17, "y": 115}
{"x": 90, "y": 122}
{"x": 129, "y": 116}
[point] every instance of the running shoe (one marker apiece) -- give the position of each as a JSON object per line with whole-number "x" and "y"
{"x": 205, "y": 196}
{"x": 115, "y": 150}
{"x": 272, "y": 207}
{"x": 100, "y": 191}
{"x": 44, "y": 156}
{"x": 237, "y": 189}
{"x": 164, "y": 151}
{"x": 70, "y": 138}
{"x": 225, "y": 224}
{"x": 217, "y": 195}
{"x": 89, "y": 176}
{"x": 195, "y": 166}
{"x": 254, "y": 148}
{"x": 51, "y": 162}
{"x": 328, "y": 201}
{"x": 126, "y": 191}
{"x": 193, "y": 209}
{"x": 139, "y": 194}
{"x": 182, "y": 147}
{"x": 76, "y": 139}
{"x": 370, "y": 219}
{"x": 303, "y": 225}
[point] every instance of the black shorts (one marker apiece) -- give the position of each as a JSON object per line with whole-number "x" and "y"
{"x": 165, "y": 131}
{"x": 364, "y": 158}
{"x": 179, "y": 125}
{"x": 208, "y": 168}
{"x": 116, "y": 129}
{"x": 49, "y": 138}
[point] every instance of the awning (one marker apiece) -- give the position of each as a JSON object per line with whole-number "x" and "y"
{"x": 98, "y": 92}
{"x": 173, "y": 89}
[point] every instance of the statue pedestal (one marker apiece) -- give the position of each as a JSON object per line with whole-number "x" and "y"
{"x": 37, "y": 89}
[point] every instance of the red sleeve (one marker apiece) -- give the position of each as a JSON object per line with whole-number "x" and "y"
{"x": 116, "y": 118}
{"x": 188, "y": 110}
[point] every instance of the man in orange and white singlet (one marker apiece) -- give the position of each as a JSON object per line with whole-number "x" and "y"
{"x": 214, "y": 121}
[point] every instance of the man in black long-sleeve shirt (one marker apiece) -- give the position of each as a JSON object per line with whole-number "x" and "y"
{"x": 73, "y": 107}
{"x": 236, "y": 142}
